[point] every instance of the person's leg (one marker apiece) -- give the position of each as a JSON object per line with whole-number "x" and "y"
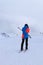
{"x": 26, "y": 43}
{"x": 22, "y": 44}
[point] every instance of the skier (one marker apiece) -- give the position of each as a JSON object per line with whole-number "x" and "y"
{"x": 25, "y": 35}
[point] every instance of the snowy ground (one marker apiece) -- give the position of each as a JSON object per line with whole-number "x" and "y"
{"x": 9, "y": 48}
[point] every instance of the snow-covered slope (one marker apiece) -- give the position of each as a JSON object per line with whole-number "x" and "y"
{"x": 9, "y": 51}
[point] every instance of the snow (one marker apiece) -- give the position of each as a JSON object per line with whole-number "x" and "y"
{"x": 9, "y": 51}
{"x": 15, "y": 14}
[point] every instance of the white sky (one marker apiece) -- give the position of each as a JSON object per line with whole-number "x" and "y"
{"x": 32, "y": 8}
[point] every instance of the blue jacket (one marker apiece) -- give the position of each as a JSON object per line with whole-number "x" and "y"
{"x": 24, "y": 32}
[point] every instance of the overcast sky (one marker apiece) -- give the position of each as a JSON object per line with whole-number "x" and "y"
{"x": 33, "y": 8}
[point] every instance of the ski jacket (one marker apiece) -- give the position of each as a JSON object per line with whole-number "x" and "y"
{"x": 25, "y": 31}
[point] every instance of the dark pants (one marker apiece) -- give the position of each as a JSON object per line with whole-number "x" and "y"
{"x": 26, "y": 47}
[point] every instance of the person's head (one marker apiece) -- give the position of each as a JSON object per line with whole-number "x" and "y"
{"x": 26, "y": 25}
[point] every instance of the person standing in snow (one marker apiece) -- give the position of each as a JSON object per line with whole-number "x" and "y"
{"x": 25, "y": 35}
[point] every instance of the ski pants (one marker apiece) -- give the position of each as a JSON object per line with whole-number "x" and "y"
{"x": 26, "y": 44}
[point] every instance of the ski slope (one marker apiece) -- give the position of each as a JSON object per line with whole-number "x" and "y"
{"x": 9, "y": 51}
{"x": 16, "y": 13}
